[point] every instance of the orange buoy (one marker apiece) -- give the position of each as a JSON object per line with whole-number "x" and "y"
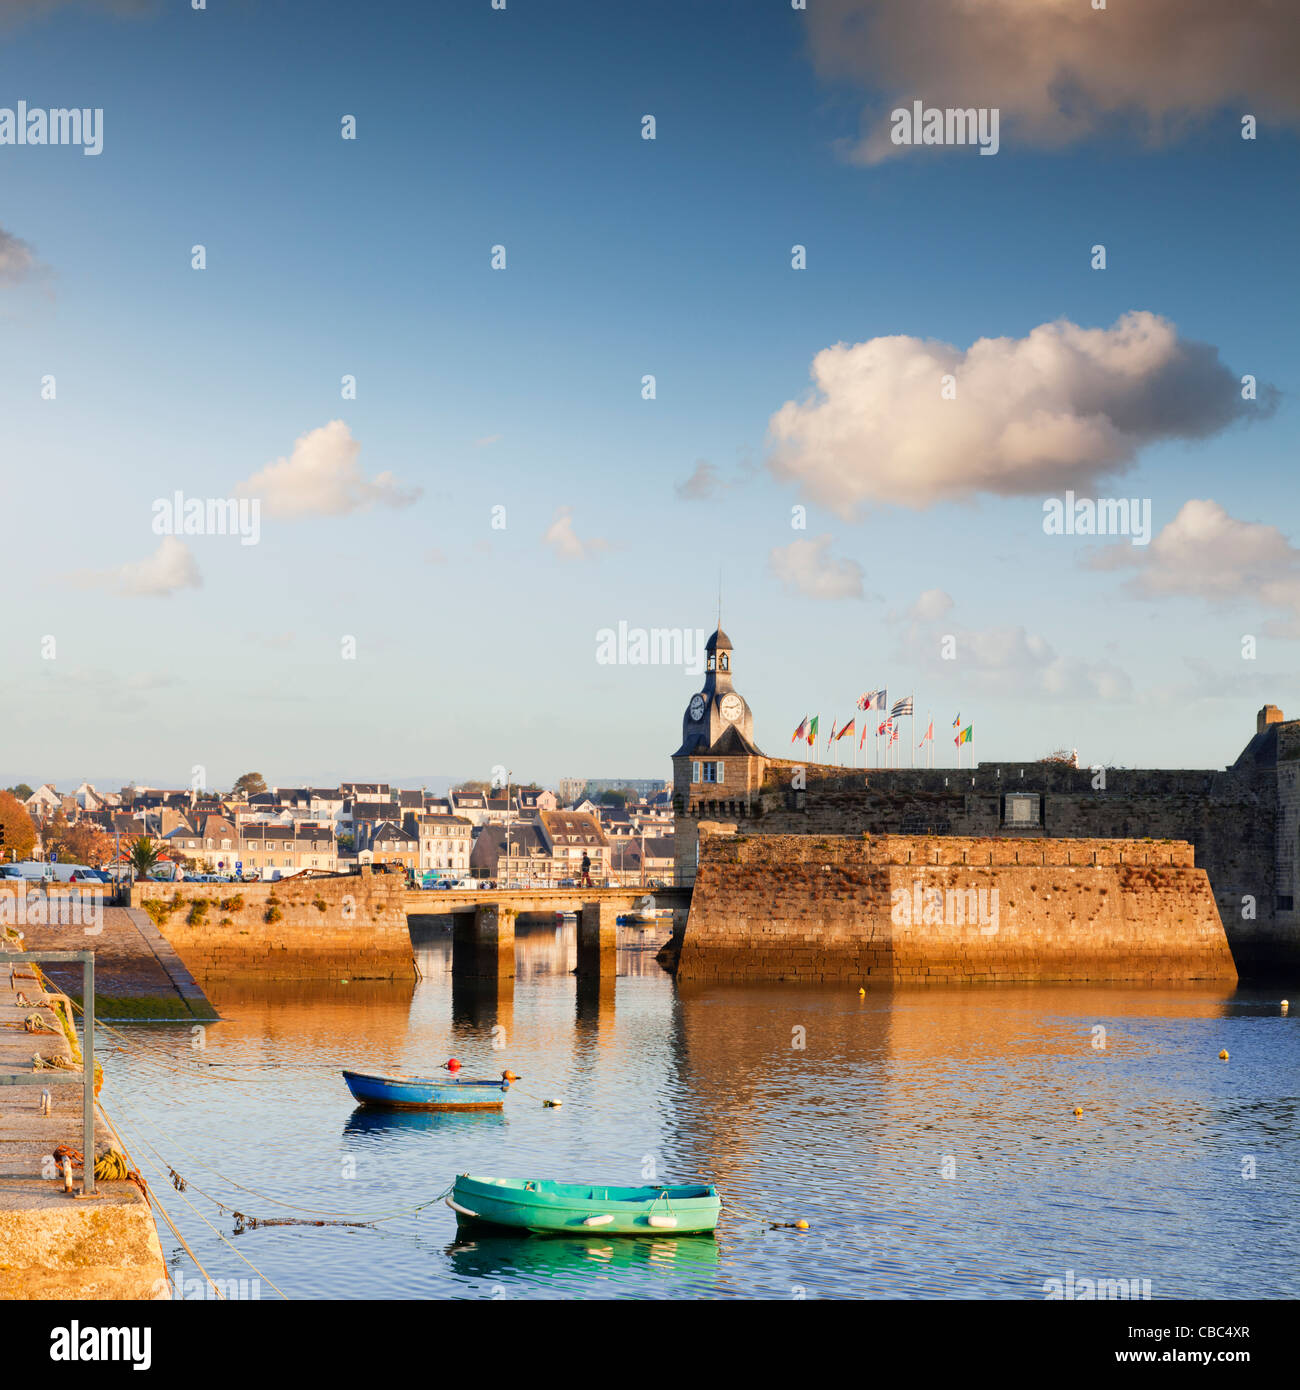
{"x": 1078, "y": 1110}
{"x": 451, "y": 1064}
{"x": 508, "y": 1076}
{"x": 1223, "y": 1056}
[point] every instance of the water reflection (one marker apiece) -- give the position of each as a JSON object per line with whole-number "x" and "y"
{"x": 927, "y": 1135}
{"x": 370, "y": 1121}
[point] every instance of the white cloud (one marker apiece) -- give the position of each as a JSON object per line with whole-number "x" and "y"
{"x": 1058, "y": 409}
{"x": 563, "y": 539}
{"x": 806, "y": 567}
{"x": 322, "y": 477}
{"x": 18, "y": 262}
{"x": 703, "y": 482}
{"x": 170, "y": 568}
{"x": 1206, "y": 553}
{"x": 486, "y": 440}
{"x": 1059, "y": 70}
{"x": 931, "y": 606}
{"x": 1007, "y": 659}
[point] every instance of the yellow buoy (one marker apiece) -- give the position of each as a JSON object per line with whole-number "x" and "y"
{"x": 550, "y": 1104}
{"x": 801, "y": 1225}
{"x": 1078, "y": 1110}
{"x": 1223, "y": 1056}
{"x": 863, "y": 991}
{"x": 1286, "y": 1004}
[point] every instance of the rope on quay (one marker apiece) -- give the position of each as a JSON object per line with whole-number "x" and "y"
{"x": 335, "y": 1217}
{"x": 220, "y": 1235}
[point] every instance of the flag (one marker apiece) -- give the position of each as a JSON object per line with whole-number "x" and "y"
{"x": 901, "y": 707}
{"x": 893, "y": 734}
{"x": 884, "y": 728}
{"x": 874, "y": 699}
{"x": 865, "y": 729}
{"x": 965, "y": 735}
{"x": 847, "y": 729}
{"x": 831, "y": 740}
{"x": 800, "y": 731}
{"x": 812, "y": 730}
{"x": 956, "y": 723}
{"x": 929, "y": 733}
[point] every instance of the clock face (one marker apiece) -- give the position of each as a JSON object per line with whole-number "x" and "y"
{"x": 731, "y": 708}
{"x": 697, "y": 708}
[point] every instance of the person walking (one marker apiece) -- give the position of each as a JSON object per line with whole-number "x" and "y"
{"x": 586, "y": 869}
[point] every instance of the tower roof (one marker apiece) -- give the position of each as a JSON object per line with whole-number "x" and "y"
{"x": 719, "y": 642}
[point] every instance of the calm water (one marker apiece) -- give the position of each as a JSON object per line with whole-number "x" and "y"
{"x": 850, "y": 1132}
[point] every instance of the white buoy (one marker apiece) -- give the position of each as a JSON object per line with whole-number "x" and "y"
{"x": 598, "y": 1221}
{"x": 1286, "y": 1004}
{"x": 662, "y": 1222}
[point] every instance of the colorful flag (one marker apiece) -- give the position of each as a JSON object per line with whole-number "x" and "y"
{"x": 956, "y": 723}
{"x": 865, "y": 730}
{"x": 874, "y": 699}
{"x": 847, "y": 729}
{"x": 800, "y": 731}
{"x": 884, "y": 728}
{"x": 831, "y": 740}
{"x": 929, "y": 733}
{"x": 901, "y": 707}
{"x": 965, "y": 735}
{"x": 812, "y": 730}
{"x": 893, "y": 734}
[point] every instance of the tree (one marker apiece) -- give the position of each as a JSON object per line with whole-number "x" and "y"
{"x": 83, "y": 843}
{"x": 22, "y": 791}
{"x": 143, "y": 855}
{"x": 17, "y": 833}
{"x": 250, "y": 784}
{"x": 613, "y": 798}
{"x": 481, "y": 787}
{"x": 347, "y": 841}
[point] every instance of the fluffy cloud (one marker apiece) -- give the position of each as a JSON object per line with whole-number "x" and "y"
{"x": 996, "y": 659}
{"x": 1058, "y": 409}
{"x": 703, "y": 482}
{"x": 18, "y": 261}
{"x": 806, "y": 567}
{"x": 1205, "y": 553}
{"x": 563, "y": 539}
{"x": 170, "y": 568}
{"x": 322, "y": 477}
{"x": 1058, "y": 70}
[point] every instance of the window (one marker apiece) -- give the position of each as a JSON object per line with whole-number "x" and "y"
{"x": 1021, "y": 808}
{"x": 713, "y": 772}
{"x": 252, "y": 844}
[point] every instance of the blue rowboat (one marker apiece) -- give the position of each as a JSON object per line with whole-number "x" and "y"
{"x": 583, "y": 1209}
{"x": 426, "y": 1092}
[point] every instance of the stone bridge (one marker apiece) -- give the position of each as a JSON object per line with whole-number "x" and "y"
{"x": 482, "y": 921}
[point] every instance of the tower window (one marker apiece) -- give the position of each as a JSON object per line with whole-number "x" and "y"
{"x": 724, "y": 662}
{"x": 713, "y": 772}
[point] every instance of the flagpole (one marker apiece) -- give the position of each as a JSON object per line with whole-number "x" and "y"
{"x": 911, "y": 725}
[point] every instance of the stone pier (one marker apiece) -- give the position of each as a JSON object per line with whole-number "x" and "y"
{"x": 598, "y": 939}
{"x": 483, "y": 942}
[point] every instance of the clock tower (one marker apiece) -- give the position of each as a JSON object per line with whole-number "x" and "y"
{"x": 717, "y": 770}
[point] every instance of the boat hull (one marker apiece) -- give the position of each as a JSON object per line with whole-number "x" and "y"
{"x": 576, "y": 1209}
{"x": 425, "y": 1093}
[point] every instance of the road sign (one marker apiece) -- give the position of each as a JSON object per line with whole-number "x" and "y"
{"x": 239, "y": 865}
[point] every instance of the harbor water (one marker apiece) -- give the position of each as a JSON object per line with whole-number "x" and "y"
{"x": 927, "y": 1136}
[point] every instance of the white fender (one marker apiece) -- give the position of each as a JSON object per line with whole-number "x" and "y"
{"x": 456, "y": 1206}
{"x": 598, "y": 1220}
{"x": 663, "y": 1222}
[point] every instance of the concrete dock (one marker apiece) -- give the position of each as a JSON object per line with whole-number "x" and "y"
{"x": 52, "y": 1245}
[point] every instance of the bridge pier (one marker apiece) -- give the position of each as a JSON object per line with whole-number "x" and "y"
{"x": 598, "y": 939}
{"x": 483, "y": 942}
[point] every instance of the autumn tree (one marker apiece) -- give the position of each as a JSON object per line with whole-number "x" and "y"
{"x": 17, "y": 833}
{"x": 83, "y": 843}
{"x": 22, "y": 791}
{"x": 250, "y": 784}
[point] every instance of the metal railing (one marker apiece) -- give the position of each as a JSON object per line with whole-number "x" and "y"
{"x": 87, "y": 1077}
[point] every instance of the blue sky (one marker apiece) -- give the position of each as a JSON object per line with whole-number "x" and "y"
{"x": 522, "y": 388}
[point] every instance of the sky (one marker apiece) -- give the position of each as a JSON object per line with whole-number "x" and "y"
{"x": 858, "y": 454}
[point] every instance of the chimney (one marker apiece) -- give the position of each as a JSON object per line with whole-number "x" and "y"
{"x": 1270, "y": 714}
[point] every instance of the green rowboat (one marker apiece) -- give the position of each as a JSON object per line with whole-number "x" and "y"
{"x": 582, "y": 1209}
